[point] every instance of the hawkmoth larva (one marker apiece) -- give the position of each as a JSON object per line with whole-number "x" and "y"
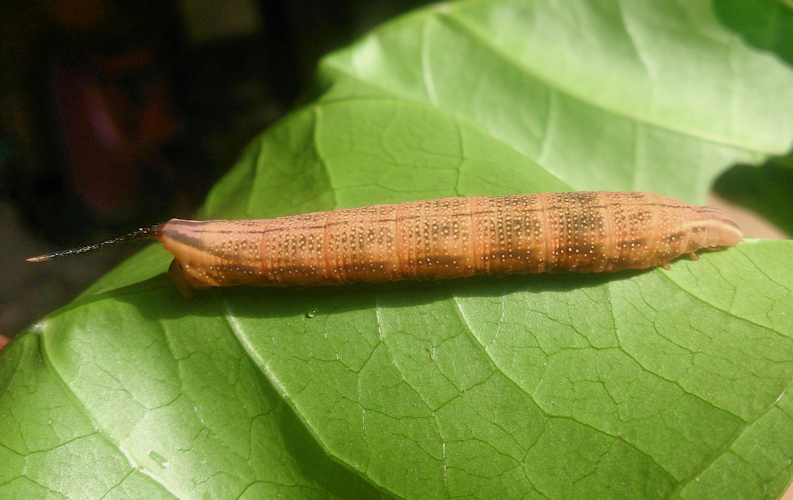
{"x": 437, "y": 239}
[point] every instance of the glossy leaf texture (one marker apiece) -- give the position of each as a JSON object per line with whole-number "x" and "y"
{"x": 651, "y": 384}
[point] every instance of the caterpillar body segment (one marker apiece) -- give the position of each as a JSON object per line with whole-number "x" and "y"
{"x": 446, "y": 238}
{"x": 437, "y": 239}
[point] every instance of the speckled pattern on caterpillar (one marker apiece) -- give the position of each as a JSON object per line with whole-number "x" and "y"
{"x": 445, "y": 238}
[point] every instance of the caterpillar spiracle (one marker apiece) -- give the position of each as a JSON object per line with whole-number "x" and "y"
{"x": 586, "y": 232}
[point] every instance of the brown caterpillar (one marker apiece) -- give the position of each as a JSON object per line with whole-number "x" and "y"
{"x": 438, "y": 239}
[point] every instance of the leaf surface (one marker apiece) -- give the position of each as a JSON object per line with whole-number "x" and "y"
{"x": 647, "y": 384}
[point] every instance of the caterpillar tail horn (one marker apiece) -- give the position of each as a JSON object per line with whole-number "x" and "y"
{"x": 144, "y": 233}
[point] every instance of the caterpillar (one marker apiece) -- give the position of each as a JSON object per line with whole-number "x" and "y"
{"x": 586, "y": 232}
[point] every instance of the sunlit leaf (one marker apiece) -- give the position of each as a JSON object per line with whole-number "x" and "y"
{"x": 635, "y": 384}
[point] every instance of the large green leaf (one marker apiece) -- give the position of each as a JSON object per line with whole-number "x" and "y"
{"x": 635, "y": 384}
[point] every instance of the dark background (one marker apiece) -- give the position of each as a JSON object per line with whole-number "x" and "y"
{"x": 116, "y": 114}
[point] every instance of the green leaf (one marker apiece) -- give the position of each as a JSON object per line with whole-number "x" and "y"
{"x": 635, "y": 384}
{"x": 648, "y": 95}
